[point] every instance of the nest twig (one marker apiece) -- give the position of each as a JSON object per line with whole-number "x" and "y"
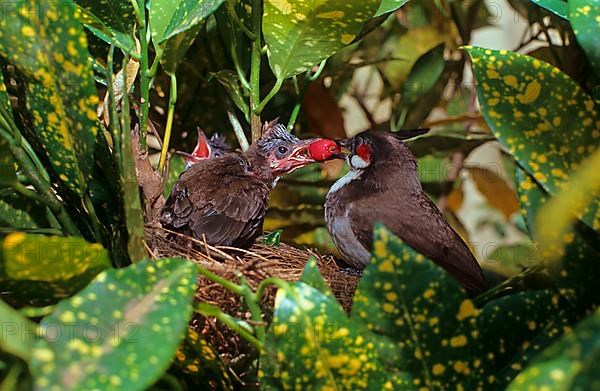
{"x": 255, "y": 264}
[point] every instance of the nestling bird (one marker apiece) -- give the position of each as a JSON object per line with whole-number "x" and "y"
{"x": 224, "y": 200}
{"x": 206, "y": 148}
{"x": 383, "y": 186}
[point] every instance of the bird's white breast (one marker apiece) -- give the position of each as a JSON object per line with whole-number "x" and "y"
{"x": 343, "y": 181}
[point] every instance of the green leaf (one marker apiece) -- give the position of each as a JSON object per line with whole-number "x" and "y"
{"x": 515, "y": 257}
{"x": 569, "y": 364}
{"x": 171, "y": 17}
{"x": 274, "y": 238}
{"x": 61, "y": 96}
{"x": 509, "y": 325}
{"x": 15, "y": 328}
{"x": 128, "y": 322}
{"x": 43, "y": 269}
{"x": 111, "y": 21}
{"x": 545, "y": 120}
{"x": 556, "y": 218}
{"x": 21, "y": 213}
{"x": 312, "y": 344}
{"x": 175, "y": 48}
{"x": 199, "y": 366}
{"x": 578, "y": 271}
{"x": 231, "y": 82}
{"x": 424, "y": 74}
{"x": 585, "y": 20}
{"x": 415, "y": 303}
{"x": 301, "y": 34}
{"x": 558, "y": 7}
{"x": 387, "y": 6}
{"x": 311, "y": 276}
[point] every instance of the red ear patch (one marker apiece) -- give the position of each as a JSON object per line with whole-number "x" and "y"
{"x": 364, "y": 151}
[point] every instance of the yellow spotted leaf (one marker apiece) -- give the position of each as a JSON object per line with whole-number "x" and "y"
{"x": 299, "y": 34}
{"x": 571, "y": 363}
{"x": 46, "y": 42}
{"x": 312, "y": 344}
{"x": 41, "y": 270}
{"x": 128, "y": 322}
{"x": 544, "y": 119}
{"x": 415, "y": 303}
{"x": 584, "y": 16}
{"x": 199, "y": 366}
{"x": 576, "y": 267}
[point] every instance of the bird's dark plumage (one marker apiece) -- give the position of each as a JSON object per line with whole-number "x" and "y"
{"x": 224, "y": 199}
{"x": 384, "y": 187}
{"x": 230, "y": 214}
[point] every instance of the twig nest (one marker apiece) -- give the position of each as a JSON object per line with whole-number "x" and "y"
{"x": 255, "y": 264}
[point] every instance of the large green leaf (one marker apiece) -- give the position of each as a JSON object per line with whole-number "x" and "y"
{"x": 423, "y": 75}
{"x": 569, "y": 364}
{"x": 299, "y": 34}
{"x": 585, "y": 19}
{"x": 120, "y": 332}
{"x": 313, "y": 344}
{"x": 40, "y": 269}
{"x": 111, "y": 21}
{"x": 545, "y": 120}
{"x": 387, "y": 6}
{"x": 51, "y": 50}
{"x": 578, "y": 271}
{"x": 558, "y": 7}
{"x": 556, "y": 218}
{"x": 171, "y": 17}
{"x": 21, "y": 213}
{"x": 509, "y": 326}
{"x": 175, "y": 25}
{"x": 412, "y": 301}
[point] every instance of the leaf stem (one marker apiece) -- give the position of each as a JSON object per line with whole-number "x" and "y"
{"x": 309, "y": 78}
{"x": 264, "y": 284}
{"x": 238, "y": 130}
{"x": 144, "y": 74}
{"x": 238, "y": 69}
{"x": 270, "y": 95}
{"x": 236, "y": 19}
{"x": 255, "y": 70}
{"x": 225, "y": 283}
{"x": 169, "y": 126}
{"x": 237, "y": 325}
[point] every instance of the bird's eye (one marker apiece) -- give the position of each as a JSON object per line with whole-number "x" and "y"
{"x": 217, "y": 154}
{"x": 282, "y": 149}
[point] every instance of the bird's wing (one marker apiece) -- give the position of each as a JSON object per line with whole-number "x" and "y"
{"x": 420, "y": 224}
{"x": 230, "y": 214}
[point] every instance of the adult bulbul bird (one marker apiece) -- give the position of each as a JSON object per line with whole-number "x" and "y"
{"x": 206, "y": 148}
{"x": 224, "y": 200}
{"x": 383, "y": 186}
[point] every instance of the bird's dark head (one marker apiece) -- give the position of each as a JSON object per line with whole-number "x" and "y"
{"x": 369, "y": 147}
{"x": 279, "y": 152}
{"x": 206, "y": 148}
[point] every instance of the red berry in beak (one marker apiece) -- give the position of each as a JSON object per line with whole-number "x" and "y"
{"x": 324, "y": 149}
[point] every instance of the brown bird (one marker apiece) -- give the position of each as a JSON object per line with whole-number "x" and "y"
{"x": 383, "y": 186}
{"x": 224, "y": 200}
